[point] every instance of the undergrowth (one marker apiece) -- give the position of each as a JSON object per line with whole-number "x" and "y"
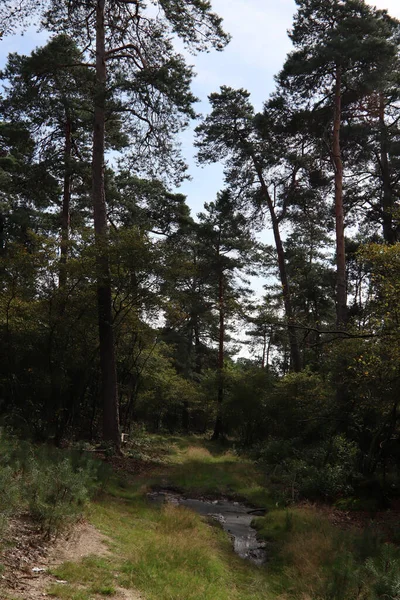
{"x": 313, "y": 560}
{"x": 52, "y": 486}
{"x": 167, "y": 552}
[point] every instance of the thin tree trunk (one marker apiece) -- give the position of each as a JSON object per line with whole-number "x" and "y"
{"x": 269, "y": 349}
{"x": 287, "y": 301}
{"x": 341, "y": 292}
{"x": 219, "y": 429}
{"x": 264, "y": 349}
{"x": 65, "y": 214}
{"x": 106, "y": 335}
{"x": 389, "y": 234}
{"x": 293, "y": 341}
{"x": 2, "y": 236}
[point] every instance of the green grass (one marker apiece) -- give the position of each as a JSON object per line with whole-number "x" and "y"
{"x": 94, "y": 573}
{"x": 201, "y": 468}
{"x": 167, "y": 552}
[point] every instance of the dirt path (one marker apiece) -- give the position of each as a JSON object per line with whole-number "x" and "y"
{"x": 27, "y": 574}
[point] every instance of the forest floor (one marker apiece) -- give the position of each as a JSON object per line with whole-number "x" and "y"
{"x": 129, "y": 548}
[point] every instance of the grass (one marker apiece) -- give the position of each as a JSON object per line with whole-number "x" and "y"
{"x": 201, "y": 468}
{"x": 94, "y": 575}
{"x": 167, "y": 552}
{"x": 313, "y": 560}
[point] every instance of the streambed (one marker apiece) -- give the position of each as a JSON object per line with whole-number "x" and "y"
{"x": 234, "y": 517}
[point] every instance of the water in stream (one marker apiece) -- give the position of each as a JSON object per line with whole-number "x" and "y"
{"x": 234, "y": 517}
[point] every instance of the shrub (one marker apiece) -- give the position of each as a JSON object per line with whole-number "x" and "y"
{"x": 321, "y": 470}
{"x": 384, "y": 573}
{"x": 53, "y": 485}
{"x": 56, "y": 494}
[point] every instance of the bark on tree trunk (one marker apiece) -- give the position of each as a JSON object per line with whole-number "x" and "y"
{"x": 111, "y": 431}
{"x": 269, "y": 349}
{"x": 341, "y": 292}
{"x": 2, "y": 240}
{"x": 219, "y": 428}
{"x": 197, "y": 347}
{"x": 387, "y": 203}
{"x": 65, "y": 214}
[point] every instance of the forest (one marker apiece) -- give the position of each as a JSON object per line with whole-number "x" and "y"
{"x": 129, "y": 325}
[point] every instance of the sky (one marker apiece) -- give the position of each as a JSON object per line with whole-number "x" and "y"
{"x": 255, "y": 54}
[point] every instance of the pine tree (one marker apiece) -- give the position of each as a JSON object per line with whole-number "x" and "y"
{"x": 130, "y": 51}
{"x": 54, "y": 102}
{"x": 257, "y": 169}
{"x": 226, "y": 247}
{"x": 342, "y": 51}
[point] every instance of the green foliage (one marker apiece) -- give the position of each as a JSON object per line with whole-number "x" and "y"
{"x": 164, "y": 393}
{"x": 384, "y": 572}
{"x": 321, "y": 470}
{"x": 300, "y": 450}
{"x": 245, "y": 409}
{"x": 53, "y": 486}
{"x": 56, "y": 494}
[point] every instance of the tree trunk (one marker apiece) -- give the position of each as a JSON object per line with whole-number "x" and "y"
{"x": 197, "y": 347}
{"x": 341, "y": 292}
{"x": 106, "y": 335}
{"x": 293, "y": 341}
{"x": 269, "y": 349}
{"x": 264, "y": 348}
{"x": 218, "y": 428}
{"x": 295, "y": 358}
{"x": 65, "y": 213}
{"x": 2, "y": 235}
{"x": 387, "y": 202}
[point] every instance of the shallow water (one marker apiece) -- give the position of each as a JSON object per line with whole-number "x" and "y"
{"x": 234, "y": 517}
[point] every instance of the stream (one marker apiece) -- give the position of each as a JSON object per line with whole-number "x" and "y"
{"x": 234, "y": 517}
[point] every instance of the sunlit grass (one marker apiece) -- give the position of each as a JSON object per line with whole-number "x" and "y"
{"x": 165, "y": 552}
{"x": 199, "y": 467}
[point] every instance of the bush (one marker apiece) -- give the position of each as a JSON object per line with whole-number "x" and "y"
{"x": 322, "y": 470}
{"x": 384, "y": 573}
{"x": 56, "y": 494}
{"x": 52, "y": 485}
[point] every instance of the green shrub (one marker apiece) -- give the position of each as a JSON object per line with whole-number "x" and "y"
{"x": 53, "y": 485}
{"x": 384, "y": 573}
{"x": 56, "y": 494}
{"x": 321, "y": 470}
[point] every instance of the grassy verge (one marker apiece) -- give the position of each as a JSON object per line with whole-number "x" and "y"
{"x": 313, "y": 560}
{"x": 165, "y": 552}
{"x": 169, "y": 553}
